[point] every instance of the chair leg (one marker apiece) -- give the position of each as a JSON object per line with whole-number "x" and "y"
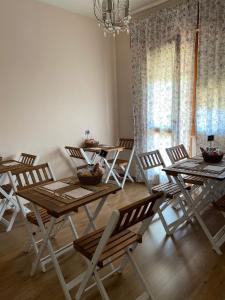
{"x": 12, "y": 220}
{"x": 3, "y": 207}
{"x": 84, "y": 282}
{"x": 100, "y": 286}
{"x": 90, "y": 217}
{"x": 128, "y": 174}
{"x": 183, "y": 208}
{"x": 73, "y": 228}
{"x": 139, "y": 274}
{"x": 164, "y": 223}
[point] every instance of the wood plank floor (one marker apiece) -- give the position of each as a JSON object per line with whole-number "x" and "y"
{"x": 181, "y": 267}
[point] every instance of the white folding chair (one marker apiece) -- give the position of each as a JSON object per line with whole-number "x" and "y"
{"x": 28, "y": 159}
{"x": 115, "y": 241}
{"x": 78, "y": 157}
{"x": 124, "y": 164}
{"x": 177, "y": 154}
{"x": 31, "y": 177}
{"x": 6, "y": 197}
{"x": 151, "y": 160}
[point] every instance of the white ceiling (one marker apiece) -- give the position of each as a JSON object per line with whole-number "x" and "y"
{"x": 85, "y": 7}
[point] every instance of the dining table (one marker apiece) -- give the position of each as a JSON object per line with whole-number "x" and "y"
{"x": 211, "y": 191}
{"x": 60, "y": 198}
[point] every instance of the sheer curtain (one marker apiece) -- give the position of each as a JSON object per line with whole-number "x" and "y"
{"x": 162, "y": 65}
{"x": 210, "y": 118}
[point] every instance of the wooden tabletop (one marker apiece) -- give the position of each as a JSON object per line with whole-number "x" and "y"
{"x": 198, "y": 170}
{"x": 104, "y": 148}
{"x": 57, "y": 204}
{"x": 10, "y": 165}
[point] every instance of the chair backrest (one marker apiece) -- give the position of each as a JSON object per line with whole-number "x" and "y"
{"x": 120, "y": 220}
{"x": 147, "y": 161}
{"x": 128, "y": 144}
{"x": 177, "y": 153}
{"x": 150, "y": 160}
{"x": 79, "y": 154}
{"x": 75, "y": 152}
{"x": 137, "y": 212}
{"x": 29, "y": 177}
{"x": 27, "y": 159}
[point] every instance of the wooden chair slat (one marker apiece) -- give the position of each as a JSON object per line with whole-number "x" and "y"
{"x": 32, "y": 176}
{"x": 177, "y": 153}
{"x": 25, "y": 178}
{"x": 151, "y": 160}
{"x": 74, "y": 152}
{"x": 125, "y": 223}
{"x": 126, "y": 143}
{"x": 27, "y": 159}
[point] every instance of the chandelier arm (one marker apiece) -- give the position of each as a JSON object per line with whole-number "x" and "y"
{"x": 96, "y": 16}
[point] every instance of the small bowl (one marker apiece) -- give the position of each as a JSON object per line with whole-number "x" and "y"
{"x": 213, "y": 159}
{"x": 89, "y": 180}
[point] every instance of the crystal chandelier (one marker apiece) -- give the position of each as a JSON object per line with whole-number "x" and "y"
{"x": 112, "y": 15}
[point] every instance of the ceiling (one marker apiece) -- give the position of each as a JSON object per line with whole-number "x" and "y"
{"x": 85, "y": 7}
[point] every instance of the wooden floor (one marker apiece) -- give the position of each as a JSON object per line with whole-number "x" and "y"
{"x": 178, "y": 268}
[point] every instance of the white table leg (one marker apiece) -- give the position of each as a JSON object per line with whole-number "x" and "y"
{"x": 95, "y": 215}
{"x": 127, "y": 169}
{"x": 192, "y": 205}
{"x": 46, "y": 236}
{"x": 110, "y": 169}
{"x": 90, "y": 216}
{"x": 47, "y": 242}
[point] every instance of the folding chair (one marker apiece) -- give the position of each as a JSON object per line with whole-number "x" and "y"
{"x": 31, "y": 177}
{"x": 28, "y": 159}
{"x": 148, "y": 161}
{"x": 124, "y": 164}
{"x": 7, "y": 203}
{"x": 179, "y": 153}
{"x": 116, "y": 240}
{"x": 78, "y": 155}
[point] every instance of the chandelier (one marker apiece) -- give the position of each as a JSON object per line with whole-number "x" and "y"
{"x": 112, "y": 15}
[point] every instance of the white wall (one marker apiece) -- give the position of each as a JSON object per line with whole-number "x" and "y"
{"x": 57, "y": 78}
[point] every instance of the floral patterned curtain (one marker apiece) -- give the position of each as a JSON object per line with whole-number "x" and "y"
{"x": 210, "y": 119}
{"x": 162, "y": 65}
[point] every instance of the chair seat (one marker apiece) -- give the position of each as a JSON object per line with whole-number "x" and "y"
{"x": 170, "y": 189}
{"x": 194, "y": 180}
{"x": 114, "y": 249}
{"x": 7, "y": 188}
{"x": 119, "y": 162}
{"x": 44, "y": 216}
